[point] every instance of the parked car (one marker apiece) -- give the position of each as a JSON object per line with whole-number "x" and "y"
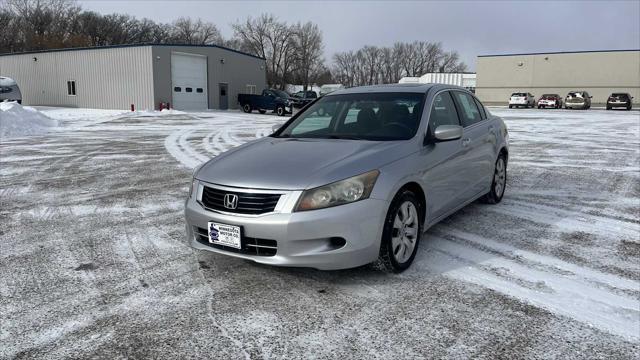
{"x": 304, "y": 97}
{"x": 357, "y": 186}
{"x": 619, "y": 100}
{"x": 274, "y": 100}
{"x": 577, "y": 100}
{"x": 329, "y": 88}
{"x": 9, "y": 90}
{"x": 522, "y": 99}
{"x": 550, "y": 100}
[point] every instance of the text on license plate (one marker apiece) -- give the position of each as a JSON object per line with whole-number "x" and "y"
{"x": 223, "y": 234}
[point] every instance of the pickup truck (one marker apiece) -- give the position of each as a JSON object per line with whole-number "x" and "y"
{"x": 277, "y": 101}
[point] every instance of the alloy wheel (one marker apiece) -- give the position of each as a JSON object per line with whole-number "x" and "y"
{"x": 405, "y": 232}
{"x": 500, "y": 177}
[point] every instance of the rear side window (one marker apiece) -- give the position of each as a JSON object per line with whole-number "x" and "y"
{"x": 469, "y": 113}
{"x": 483, "y": 113}
{"x": 443, "y": 111}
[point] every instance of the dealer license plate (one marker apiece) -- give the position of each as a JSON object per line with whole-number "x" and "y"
{"x": 223, "y": 234}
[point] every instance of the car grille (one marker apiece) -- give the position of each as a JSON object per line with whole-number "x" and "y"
{"x": 250, "y": 246}
{"x": 248, "y": 203}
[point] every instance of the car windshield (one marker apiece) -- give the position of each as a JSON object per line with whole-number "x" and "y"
{"x": 376, "y": 117}
{"x": 620, "y": 95}
{"x": 575, "y": 94}
{"x": 549, "y": 96}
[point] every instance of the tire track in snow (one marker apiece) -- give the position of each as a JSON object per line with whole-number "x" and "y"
{"x": 566, "y": 289}
{"x": 177, "y": 145}
{"x": 569, "y": 220}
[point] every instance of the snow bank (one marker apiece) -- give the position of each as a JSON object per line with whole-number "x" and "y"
{"x": 17, "y": 120}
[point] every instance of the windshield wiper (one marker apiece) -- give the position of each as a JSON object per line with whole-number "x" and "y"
{"x": 345, "y": 137}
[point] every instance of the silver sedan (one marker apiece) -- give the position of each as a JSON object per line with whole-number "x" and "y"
{"x": 355, "y": 177}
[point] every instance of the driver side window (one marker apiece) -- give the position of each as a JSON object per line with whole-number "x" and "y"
{"x": 443, "y": 111}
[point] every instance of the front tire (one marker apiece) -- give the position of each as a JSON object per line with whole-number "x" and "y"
{"x": 401, "y": 233}
{"x": 280, "y": 110}
{"x": 499, "y": 182}
{"x": 510, "y": 106}
{"x": 246, "y": 108}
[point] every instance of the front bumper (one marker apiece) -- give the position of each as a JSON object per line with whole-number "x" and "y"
{"x": 618, "y": 103}
{"x": 573, "y": 105}
{"x": 518, "y": 102}
{"x": 304, "y": 239}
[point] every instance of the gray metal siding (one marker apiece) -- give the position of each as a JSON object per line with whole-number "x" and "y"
{"x": 238, "y": 71}
{"x": 111, "y": 78}
{"x": 599, "y": 73}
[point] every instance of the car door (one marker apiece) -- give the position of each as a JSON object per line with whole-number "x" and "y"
{"x": 478, "y": 142}
{"x": 444, "y": 161}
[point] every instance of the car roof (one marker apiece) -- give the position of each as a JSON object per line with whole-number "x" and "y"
{"x": 408, "y": 88}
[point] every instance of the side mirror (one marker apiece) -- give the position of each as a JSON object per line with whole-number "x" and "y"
{"x": 448, "y": 132}
{"x": 275, "y": 128}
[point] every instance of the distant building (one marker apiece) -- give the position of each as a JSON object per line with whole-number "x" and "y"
{"x": 188, "y": 77}
{"x": 466, "y": 80}
{"x": 598, "y": 72}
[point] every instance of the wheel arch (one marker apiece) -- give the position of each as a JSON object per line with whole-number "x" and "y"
{"x": 415, "y": 188}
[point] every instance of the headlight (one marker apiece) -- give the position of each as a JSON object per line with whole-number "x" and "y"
{"x": 194, "y": 182}
{"x": 338, "y": 193}
{"x": 194, "y": 187}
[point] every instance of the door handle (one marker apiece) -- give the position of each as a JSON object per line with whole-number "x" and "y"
{"x": 465, "y": 142}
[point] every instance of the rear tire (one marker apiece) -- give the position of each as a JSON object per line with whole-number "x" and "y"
{"x": 499, "y": 182}
{"x": 280, "y": 110}
{"x": 510, "y": 106}
{"x": 401, "y": 234}
{"x": 608, "y": 107}
{"x": 246, "y": 108}
{"x": 629, "y": 107}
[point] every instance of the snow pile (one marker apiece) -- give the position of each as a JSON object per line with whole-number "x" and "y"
{"x": 17, "y": 120}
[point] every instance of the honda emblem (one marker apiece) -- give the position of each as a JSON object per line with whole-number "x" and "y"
{"x": 231, "y": 201}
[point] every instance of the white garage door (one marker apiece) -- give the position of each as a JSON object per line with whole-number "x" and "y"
{"x": 189, "y": 81}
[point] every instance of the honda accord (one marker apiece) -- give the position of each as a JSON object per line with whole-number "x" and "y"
{"x": 355, "y": 177}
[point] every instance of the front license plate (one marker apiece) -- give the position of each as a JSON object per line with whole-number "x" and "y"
{"x": 223, "y": 234}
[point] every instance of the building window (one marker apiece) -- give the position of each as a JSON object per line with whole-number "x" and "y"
{"x": 251, "y": 89}
{"x": 199, "y": 90}
{"x": 177, "y": 89}
{"x": 188, "y": 89}
{"x": 71, "y": 88}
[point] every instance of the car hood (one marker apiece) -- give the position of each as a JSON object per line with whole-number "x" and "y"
{"x": 297, "y": 164}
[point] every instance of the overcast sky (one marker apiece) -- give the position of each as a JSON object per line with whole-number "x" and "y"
{"x": 472, "y": 28}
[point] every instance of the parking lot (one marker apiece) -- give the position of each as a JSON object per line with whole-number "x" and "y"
{"x": 94, "y": 261}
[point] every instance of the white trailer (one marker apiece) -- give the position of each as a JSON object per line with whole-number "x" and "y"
{"x": 465, "y": 80}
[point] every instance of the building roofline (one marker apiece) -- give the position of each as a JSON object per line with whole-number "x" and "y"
{"x": 130, "y": 45}
{"x": 560, "y": 52}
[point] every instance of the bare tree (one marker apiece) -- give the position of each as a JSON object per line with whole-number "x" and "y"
{"x": 307, "y": 52}
{"x": 271, "y": 39}
{"x": 373, "y": 65}
{"x": 195, "y": 32}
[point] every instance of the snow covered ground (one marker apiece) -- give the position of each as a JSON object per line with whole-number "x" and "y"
{"x": 94, "y": 262}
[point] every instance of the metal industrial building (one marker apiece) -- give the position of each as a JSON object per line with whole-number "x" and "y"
{"x": 189, "y": 77}
{"x": 465, "y": 79}
{"x": 598, "y": 72}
